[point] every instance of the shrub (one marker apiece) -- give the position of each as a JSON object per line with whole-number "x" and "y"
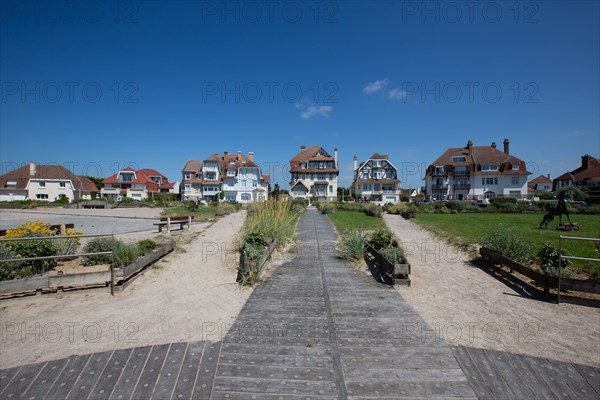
{"x": 508, "y": 243}
{"x": 98, "y": 245}
{"x": 126, "y": 253}
{"x": 301, "y": 202}
{"x": 273, "y": 220}
{"x": 405, "y": 198}
{"x": 352, "y": 244}
{"x": 382, "y": 237}
{"x": 498, "y": 200}
{"x": 471, "y": 209}
{"x": 255, "y": 237}
{"x": 395, "y": 255}
{"x": 548, "y": 256}
{"x": 373, "y": 210}
{"x": 33, "y": 248}
{"x": 457, "y": 206}
{"x": 253, "y": 251}
{"x": 409, "y": 212}
{"x": 563, "y": 273}
{"x": 147, "y": 246}
{"x": 326, "y": 208}
{"x": 225, "y": 209}
{"x": 12, "y": 270}
{"x": 298, "y": 208}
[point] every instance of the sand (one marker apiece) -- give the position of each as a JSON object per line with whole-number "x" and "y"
{"x": 187, "y": 296}
{"x": 466, "y": 306}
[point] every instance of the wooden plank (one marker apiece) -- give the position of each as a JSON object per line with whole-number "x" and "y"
{"x": 492, "y": 377}
{"x": 131, "y": 373}
{"x": 510, "y": 375}
{"x": 6, "y": 376}
{"x": 573, "y": 378}
{"x": 591, "y": 375}
{"x": 189, "y": 370}
{"x": 111, "y": 374}
{"x": 478, "y": 382}
{"x": 24, "y": 285}
{"x": 90, "y": 375}
{"x": 529, "y": 375}
{"x": 274, "y": 386}
{"x": 45, "y": 379}
{"x": 170, "y": 371}
{"x": 147, "y": 381}
{"x": 551, "y": 377}
{"x": 207, "y": 371}
{"x": 22, "y": 381}
{"x": 496, "y": 258}
{"x": 63, "y": 385}
{"x": 80, "y": 279}
{"x": 143, "y": 262}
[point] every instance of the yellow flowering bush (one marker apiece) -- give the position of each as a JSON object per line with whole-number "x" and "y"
{"x": 33, "y": 248}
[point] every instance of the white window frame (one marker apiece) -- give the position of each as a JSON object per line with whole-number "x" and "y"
{"x": 230, "y": 172}
{"x": 187, "y": 176}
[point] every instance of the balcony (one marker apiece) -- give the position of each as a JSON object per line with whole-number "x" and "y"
{"x": 439, "y": 186}
{"x": 462, "y": 186}
{"x": 386, "y": 191}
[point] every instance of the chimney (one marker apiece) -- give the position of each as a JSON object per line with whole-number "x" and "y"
{"x": 251, "y": 156}
{"x": 494, "y": 144}
{"x": 302, "y": 148}
{"x": 355, "y": 162}
{"x": 335, "y": 156}
{"x": 585, "y": 161}
{"x": 225, "y": 154}
{"x": 470, "y": 145}
{"x": 506, "y": 143}
{"x": 32, "y": 168}
{"x": 548, "y": 176}
{"x": 239, "y": 156}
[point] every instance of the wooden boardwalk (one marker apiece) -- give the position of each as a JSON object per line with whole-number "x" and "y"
{"x": 316, "y": 329}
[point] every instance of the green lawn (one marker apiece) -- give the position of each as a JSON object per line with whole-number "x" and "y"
{"x": 472, "y": 228}
{"x": 344, "y": 220}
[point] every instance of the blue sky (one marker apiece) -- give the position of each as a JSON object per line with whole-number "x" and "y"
{"x": 98, "y": 86}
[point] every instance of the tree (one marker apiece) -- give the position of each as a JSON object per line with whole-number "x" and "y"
{"x": 343, "y": 193}
{"x": 99, "y": 182}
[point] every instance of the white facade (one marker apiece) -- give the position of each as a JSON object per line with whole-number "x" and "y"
{"x": 244, "y": 186}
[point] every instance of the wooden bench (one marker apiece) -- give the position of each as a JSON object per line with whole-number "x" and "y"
{"x": 57, "y": 228}
{"x": 168, "y": 221}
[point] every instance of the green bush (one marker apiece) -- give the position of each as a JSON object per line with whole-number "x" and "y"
{"x": 255, "y": 237}
{"x": 405, "y": 198}
{"x": 253, "y": 251}
{"x": 498, "y": 200}
{"x": 457, "y": 206}
{"x": 395, "y": 255}
{"x": 326, "y": 208}
{"x": 12, "y": 270}
{"x": 124, "y": 253}
{"x": 548, "y": 256}
{"x": 147, "y": 246}
{"x": 471, "y": 209}
{"x": 563, "y": 273}
{"x": 409, "y": 212}
{"x": 509, "y": 243}
{"x": 352, "y": 244}
{"x": 382, "y": 237}
{"x": 301, "y": 202}
{"x": 373, "y": 210}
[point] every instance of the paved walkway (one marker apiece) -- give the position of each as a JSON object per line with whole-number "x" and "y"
{"x": 316, "y": 329}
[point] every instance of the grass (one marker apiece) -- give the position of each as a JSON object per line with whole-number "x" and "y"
{"x": 472, "y": 228}
{"x": 347, "y": 220}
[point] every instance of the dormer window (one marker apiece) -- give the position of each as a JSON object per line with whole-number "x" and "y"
{"x": 515, "y": 167}
{"x": 439, "y": 170}
{"x": 489, "y": 168}
{"x": 188, "y": 176}
{"x": 11, "y": 183}
{"x": 231, "y": 162}
{"x": 126, "y": 176}
{"x": 230, "y": 172}
{"x": 459, "y": 159}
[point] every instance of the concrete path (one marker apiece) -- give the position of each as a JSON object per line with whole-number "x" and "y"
{"x": 316, "y": 329}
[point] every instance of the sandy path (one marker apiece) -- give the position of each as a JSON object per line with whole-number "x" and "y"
{"x": 187, "y": 296}
{"x": 466, "y": 306}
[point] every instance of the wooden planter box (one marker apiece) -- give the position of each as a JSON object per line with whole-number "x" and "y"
{"x": 246, "y": 264}
{"x": 397, "y": 272}
{"x": 539, "y": 277}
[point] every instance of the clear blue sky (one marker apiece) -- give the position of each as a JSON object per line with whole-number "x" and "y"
{"x": 153, "y": 84}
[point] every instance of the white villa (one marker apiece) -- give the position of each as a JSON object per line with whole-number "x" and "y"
{"x": 476, "y": 173}
{"x": 45, "y": 183}
{"x": 376, "y": 180}
{"x": 234, "y": 177}
{"x": 314, "y": 175}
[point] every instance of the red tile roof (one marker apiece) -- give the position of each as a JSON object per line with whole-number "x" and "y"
{"x": 142, "y": 176}
{"x": 540, "y": 179}
{"x": 310, "y": 154}
{"x": 266, "y": 178}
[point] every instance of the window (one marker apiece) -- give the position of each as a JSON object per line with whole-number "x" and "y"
{"x": 187, "y": 187}
{"x": 515, "y": 167}
{"x": 62, "y": 185}
{"x": 330, "y": 189}
{"x": 188, "y": 176}
{"x": 126, "y": 177}
{"x": 459, "y": 159}
{"x": 62, "y": 196}
{"x": 244, "y": 183}
{"x": 230, "y": 197}
{"x": 11, "y": 183}
{"x": 41, "y": 196}
{"x": 489, "y": 168}
{"x": 231, "y": 162}
{"x": 230, "y": 172}
{"x": 367, "y": 187}
{"x": 246, "y": 197}
{"x": 489, "y": 181}
{"x": 514, "y": 180}
{"x": 42, "y": 184}
{"x": 439, "y": 170}
{"x": 460, "y": 170}
{"x": 302, "y": 165}
{"x": 254, "y": 184}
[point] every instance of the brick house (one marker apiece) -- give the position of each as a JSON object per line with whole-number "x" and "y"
{"x": 314, "y": 174}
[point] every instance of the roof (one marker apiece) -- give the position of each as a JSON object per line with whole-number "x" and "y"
{"x": 266, "y": 178}
{"x": 21, "y": 177}
{"x": 567, "y": 176}
{"x": 310, "y": 154}
{"x": 192, "y": 166}
{"x": 540, "y": 180}
{"x": 143, "y": 176}
{"x": 482, "y": 155}
{"x": 377, "y": 156}
{"x": 261, "y": 190}
{"x": 87, "y": 184}
{"x": 298, "y": 183}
